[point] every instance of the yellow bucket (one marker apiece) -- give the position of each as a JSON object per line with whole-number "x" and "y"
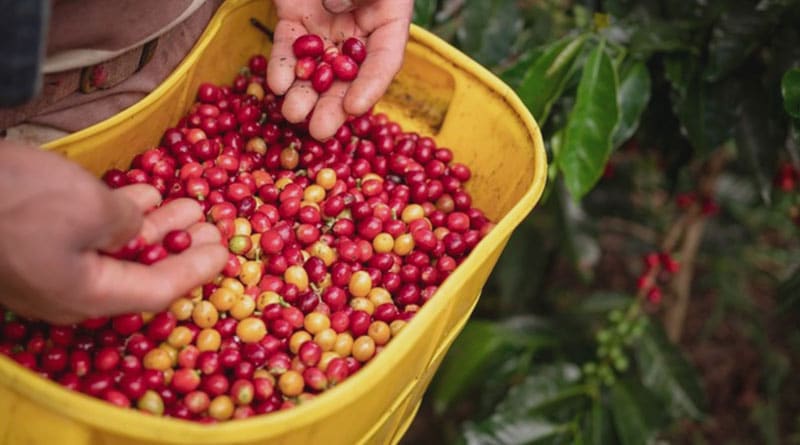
{"x": 440, "y": 92}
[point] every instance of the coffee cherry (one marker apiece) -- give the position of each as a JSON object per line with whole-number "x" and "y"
{"x": 176, "y": 241}
{"x": 344, "y": 68}
{"x": 355, "y": 49}
{"x": 323, "y": 77}
{"x": 308, "y": 45}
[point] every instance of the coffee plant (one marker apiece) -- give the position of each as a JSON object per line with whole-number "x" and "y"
{"x": 653, "y": 293}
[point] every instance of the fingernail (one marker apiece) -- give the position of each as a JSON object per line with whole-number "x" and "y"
{"x": 337, "y": 6}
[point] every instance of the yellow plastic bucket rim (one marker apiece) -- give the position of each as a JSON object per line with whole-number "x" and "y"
{"x": 120, "y": 421}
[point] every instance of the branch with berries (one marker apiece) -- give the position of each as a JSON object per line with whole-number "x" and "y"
{"x": 667, "y": 275}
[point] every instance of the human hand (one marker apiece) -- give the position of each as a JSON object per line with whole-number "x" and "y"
{"x": 381, "y": 24}
{"x": 54, "y": 220}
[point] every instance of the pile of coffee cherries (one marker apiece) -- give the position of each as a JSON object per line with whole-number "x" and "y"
{"x": 334, "y": 246}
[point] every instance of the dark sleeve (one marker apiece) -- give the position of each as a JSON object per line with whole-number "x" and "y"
{"x": 23, "y": 28}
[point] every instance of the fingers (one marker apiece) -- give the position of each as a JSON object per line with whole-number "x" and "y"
{"x": 124, "y": 212}
{"x": 143, "y": 195}
{"x": 26, "y": 309}
{"x": 121, "y": 216}
{"x": 329, "y": 114}
{"x": 124, "y": 286}
{"x": 299, "y": 102}
{"x": 280, "y": 71}
{"x": 385, "y": 48}
{"x": 341, "y": 6}
{"x": 177, "y": 214}
{"x": 204, "y": 233}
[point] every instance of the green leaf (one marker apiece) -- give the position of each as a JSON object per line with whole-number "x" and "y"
{"x": 514, "y": 74}
{"x": 579, "y": 234}
{"x": 544, "y": 82}
{"x": 536, "y": 411}
{"x": 733, "y": 39}
{"x": 480, "y": 345}
{"x": 790, "y": 89}
{"x": 637, "y": 416}
{"x": 667, "y": 374}
{"x": 486, "y": 392}
{"x": 633, "y": 97}
{"x": 424, "y": 12}
{"x": 597, "y": 427}
{"x": 521, "y": 270}
{"x": 542, "y": 388}
{"x": 489, "y": 29}
{"x": 784, "y": 50}
{"x": 789, "y": 293}
{"x": 766, "y": 415}
{"x": 679, "y": 71}
{"x": 760, "y": 129}
{"x": 587, "y": 138}
{"x": 707, "y": 112}
{"x": 504, "y": 430}
{"x": 662, "y": 37}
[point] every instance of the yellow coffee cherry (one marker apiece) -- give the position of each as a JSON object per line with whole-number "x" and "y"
{"x": 205, "y": 315}
{"x": 157, "y": 359}
{"x": 266, "y": 298}
{"x": 380, "y": 332}
{"x": 221, "y": 408}
{"x": 324, "y": 252}
{"x": 316, "y": 322}
{"x": 404, "y": 244}
{"x": 180, "y": 337}
{"x": 379, "y": 296}
{"x": 314, "y": 193}
{"x": 208, "y": 340}
{"x": 296, "y": 275}
{"x": 344, "y": 344}
{"x": 291, "y": 383}
{"x": 251, "y": 272}
{"x": 326, "y": 358}
{"x": 251, "y": 330}
{"x": 243, "y": 308}
{"x": 363, "y": 348}
{"x": 326, "y": 178}
{"x": 223, "y": 298}
{"x": 383, "y": 243}
{"x": 182, "y": 308}
{"x": 326, "y": 339}
{"x": 360, "y": 284}
{"x": 172, "y": 353}
{"x": 297, "y": 339}
{"x": 362, "y": 304}
{"x": 255, "y": 89}
{"x": 412, "y": 212}
{"x": 233, "y": 284}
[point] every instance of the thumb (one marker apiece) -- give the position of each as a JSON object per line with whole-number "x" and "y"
{"x": 341, "y": 6}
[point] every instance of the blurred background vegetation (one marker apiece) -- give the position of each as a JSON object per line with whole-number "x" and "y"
{"x": 653, "y": 293}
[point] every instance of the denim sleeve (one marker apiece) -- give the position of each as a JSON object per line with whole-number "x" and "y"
{"x": 23, "y": 36}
